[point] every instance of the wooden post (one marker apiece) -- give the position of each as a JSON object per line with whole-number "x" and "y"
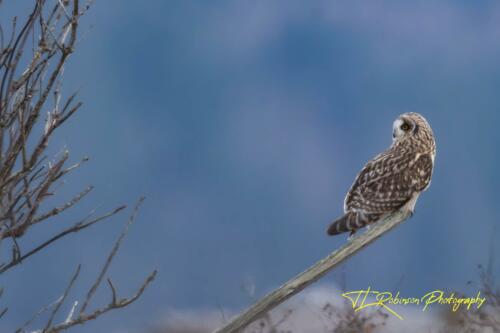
{"x": 313, "y": 274}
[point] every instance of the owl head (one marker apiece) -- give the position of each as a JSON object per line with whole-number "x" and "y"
{"x": 408, "y": 125}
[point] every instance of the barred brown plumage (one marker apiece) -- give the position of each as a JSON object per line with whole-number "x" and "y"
{"x": 393, "y": 179}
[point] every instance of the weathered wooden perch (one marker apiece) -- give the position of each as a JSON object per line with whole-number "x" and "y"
{"x": 314, "y": 273}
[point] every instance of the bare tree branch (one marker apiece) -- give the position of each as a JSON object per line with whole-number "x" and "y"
{"x": 115, "y": 303}
{"x": 33, "y": 53}
{"x": 75, "y": 228}
{"x": 81, "y": 319}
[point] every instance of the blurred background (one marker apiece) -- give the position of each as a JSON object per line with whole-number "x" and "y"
{"x": 244, "y": 124}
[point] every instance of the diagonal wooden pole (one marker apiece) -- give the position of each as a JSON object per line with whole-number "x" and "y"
{"x": 311, "y": 275}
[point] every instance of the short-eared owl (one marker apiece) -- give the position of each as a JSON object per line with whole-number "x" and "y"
{"x": 392, "y": 180}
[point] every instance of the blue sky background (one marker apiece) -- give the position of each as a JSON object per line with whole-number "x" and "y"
{"x": 244, "y": 123}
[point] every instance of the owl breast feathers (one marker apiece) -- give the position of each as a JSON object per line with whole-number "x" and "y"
{"x": 393, "y": 179}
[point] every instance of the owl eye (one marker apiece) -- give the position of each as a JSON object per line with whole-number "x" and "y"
{"x": 405, "y": 127}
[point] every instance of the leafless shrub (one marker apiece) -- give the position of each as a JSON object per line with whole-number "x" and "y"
{"x": 484, "y": 319}
{"x": 33, "y": 53}
{"x": 345, "y": 320}
{"x": 268, "y": 324}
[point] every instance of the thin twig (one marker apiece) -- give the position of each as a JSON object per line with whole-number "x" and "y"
{"x": 104, "y": 269}
{"x": 63, "y": 297}
{"x": 57, "y": 210}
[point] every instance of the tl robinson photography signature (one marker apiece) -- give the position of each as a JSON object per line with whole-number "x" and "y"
{"x": 362, "y": 299}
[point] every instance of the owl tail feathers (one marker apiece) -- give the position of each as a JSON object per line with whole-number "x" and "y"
{"x": 349, "y": 222}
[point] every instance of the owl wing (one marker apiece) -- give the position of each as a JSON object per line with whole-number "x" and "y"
{"x": 388, "y": 181}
